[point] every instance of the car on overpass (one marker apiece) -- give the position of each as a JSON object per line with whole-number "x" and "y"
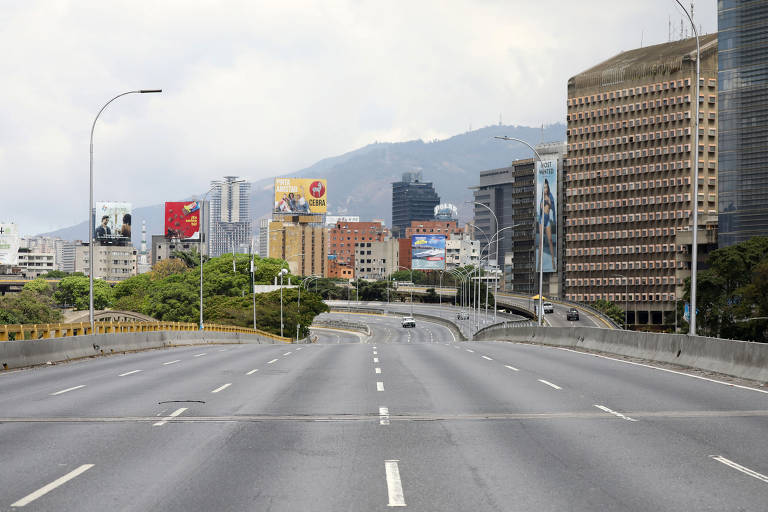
{"x": 409, "y": 322}
{"x": 462, "y": 315}
{"x": 573, "y": 314}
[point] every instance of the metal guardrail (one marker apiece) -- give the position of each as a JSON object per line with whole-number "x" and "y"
{"x": 14, "y": 332}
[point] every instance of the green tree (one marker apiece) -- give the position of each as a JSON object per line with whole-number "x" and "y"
{"x": 40, "y": 286}
{"x": 611, "y": 310}
{"x": 54, "y": 274}
{"x": 28, "y": 307}
{"x": 73, "y": 291}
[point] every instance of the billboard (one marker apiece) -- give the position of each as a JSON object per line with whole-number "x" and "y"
{"x": 9, "y": 244}
{"x": 300, "y": 195}
{"x": 182, "y": 219}
{"x": 428, "y": 252}
{"x": 113, "y": 220}
{"x": 546, "y": 213}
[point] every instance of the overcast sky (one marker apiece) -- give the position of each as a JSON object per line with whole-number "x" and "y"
{"x": 259, "y": 89}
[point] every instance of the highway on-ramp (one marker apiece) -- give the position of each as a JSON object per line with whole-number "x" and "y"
{"x": 400, "y": 418}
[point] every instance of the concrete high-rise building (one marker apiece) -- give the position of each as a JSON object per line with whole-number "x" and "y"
{"x": 412, "y": 199}
{"x": 743, "y": 120}
{"x": 303, "y": 246}
{"x": 230, "y": 221}
{"x": 628, "y": 188}
{"x": 113, "y": 262}
{"x": 376, "y": 259}
{"x": 343, "y": 238}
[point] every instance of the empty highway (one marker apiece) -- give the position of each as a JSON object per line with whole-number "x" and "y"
{"x": 402, "y": 418}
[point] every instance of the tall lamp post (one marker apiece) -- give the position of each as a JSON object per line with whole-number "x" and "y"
{"x": 202, "y": 244}
{"x": 412, "y": 284}
{"x": 283, "y": 271}
{"x": 626, "y": 302}
{"x": 541, "y": 235}
{"x": 695, "y": 249}
{"x": 298, "y": 303}
{"x": 90, "y": 205}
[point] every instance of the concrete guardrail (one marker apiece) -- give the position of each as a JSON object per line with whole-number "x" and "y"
{"x": 742, "y": 359}
{"x": 343, "y": 325}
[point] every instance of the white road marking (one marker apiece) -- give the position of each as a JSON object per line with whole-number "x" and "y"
{"x": 664, "y": 370}
{"x": 287, "y": 353}
{"x": 611, "y": 411}
{"x": 222, "y": 388}
{"x": 511, "y": 368}
{"x": 739, "y": 467}
{"x": 222, "y": 350}
{"x": 486, "y": 357}
{"x": 378, "y": 370}
{"x": 468, "y": 350}
{"x": 299, "y": 348}
{"x": 272, "y": 361}
{"x": 68, "y": 389}
{"x": 172, "y": 415}
{"x": 375, "y": 359}
{"x": 171, "y": 362}
{"x": 394, "y": 485}
{"x": 198, "y": 355}
{"x": 29, "y": 498}
{"x": 383, "y": 416}
{"x": 549, "y": 384}
{"x": 252, "y": 371}
{"x": 379, "y": 386}
{"x": 375, "y": 353}
{"x": 129, "y": 373}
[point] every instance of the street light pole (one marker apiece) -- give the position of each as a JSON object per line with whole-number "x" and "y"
{"x": 91, "y": 234}
{"x": 202, "y": 244}
{"x": 626, "y": 302}
{"x": 281, "y": 273}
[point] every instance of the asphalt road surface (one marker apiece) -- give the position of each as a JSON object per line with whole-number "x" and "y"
{"x": 405, "y": 417}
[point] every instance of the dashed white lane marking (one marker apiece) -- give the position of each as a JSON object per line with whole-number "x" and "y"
{"x": 739, "y": 467}
{"x": 222, "y": 350}
{"x": 29, "y": 498}
{"x": 486, "y": 357}
{"x": 615, "y": 413}
{"x": 129, "y": 373}
{"x": 469, "y": 350}
{"x": 169, "y": 417}
{"x": 549, "y": 384}
{"x": 375, "y": 353}
{"x": 375, "y": 359}
{"x": 511, "y": 368}
{"x": 394, "y": 485}
{"x": 222, "y": 388}
{"x": 299, "y": 348}
{"x": 374, "y": 348}
{"x": 378, "y": 370}
{"x": 383, "y": 416}
{"x": 199, "y": 355}
{"x": 272, "y": 361}
{"x": 379, "y": 386}
{"x": 287, "y": 353}
{"x": 252, "y": 371}
{"x": 67, "y": 390}
{"x": 171, "y": 362}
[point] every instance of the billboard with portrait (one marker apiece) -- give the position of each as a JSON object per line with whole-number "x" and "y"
{"x": 546, "y": 213}
{"x": 428, "y": 252}
{"x": 9, "y": 244}
{"x": 300, "y": 195}
{"x": 182, "y": 219}
{"x": 112, "y": 220}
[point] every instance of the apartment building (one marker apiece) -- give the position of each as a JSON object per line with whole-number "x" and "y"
{"x": 628, "y": 188}
{"x": 343, "y": 239}
{"x": 376, "y": 260}
{"x": 302, "y": 246}
{"x": 112, "y": 262}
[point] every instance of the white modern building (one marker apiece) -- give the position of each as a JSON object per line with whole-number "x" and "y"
{"x": 461, "y": 250}
{"x": 230, "y": 221}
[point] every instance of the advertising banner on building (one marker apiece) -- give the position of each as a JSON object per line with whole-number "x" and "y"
{"x": 113, "y": 220}
{"x": 428, "y": 252}
{"x": 300, "y": 195}
{"x": 9, "y": 244}
{"x": 546, "y": 213}
{"x": 182, "y": 220}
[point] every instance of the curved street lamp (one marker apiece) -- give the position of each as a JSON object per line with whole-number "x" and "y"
{"x": 91, "y": 236}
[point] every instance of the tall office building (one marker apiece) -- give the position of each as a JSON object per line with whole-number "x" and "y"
{"x": 412, "y": 199}
{"x": 230, "y": 221}
{"x": 629, "y": 190}
{"x": 743, "y": 125}
{"x": 303, "y": 246}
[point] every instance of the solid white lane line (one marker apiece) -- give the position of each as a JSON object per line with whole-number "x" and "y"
{"x": 739, "y": 467}
{"x": 129, "y": 373}
{"x": 272, "y": 361}
{"x": 222, "y": 388}
{"x": 171, "y": 362}
{"x": 379, "y": 386}
{"x": 68, "y": 389}
{"x": 375, "y": 359}
{"x": 172, "y": 415}
{"x": 615, "y": 413}
{"x": 252, "y": 371}
{"x": 549, "y": 384}
{"x": 287, "y": 353}
{"x": 486, "y": 357}
{"x": 378, "y": 370}
{"x": 394, "y": 485}
{"x": 198, "y": 355}
{"x": 468, "y": 350}
{"x": 29, "y": 498}
{"x": 511, "y": 368}
{"x": 383, "y": 416}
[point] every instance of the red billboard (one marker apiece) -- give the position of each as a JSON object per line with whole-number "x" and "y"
{"x": 182, "y": 219}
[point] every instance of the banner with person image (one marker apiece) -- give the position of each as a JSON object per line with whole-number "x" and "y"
{"x": 546, "y": 213}
{"x": 112, "y": 220}
{"x": 300, "y": 195}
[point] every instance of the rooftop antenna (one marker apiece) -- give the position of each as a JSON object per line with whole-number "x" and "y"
{"x": 499, "y": 118}
{"x": 641, "y": 38}
{"x": 669, "y": 22}
{"x": 681, "y": 28}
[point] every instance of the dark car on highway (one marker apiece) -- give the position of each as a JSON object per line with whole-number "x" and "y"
{"x": 573, "y": 314}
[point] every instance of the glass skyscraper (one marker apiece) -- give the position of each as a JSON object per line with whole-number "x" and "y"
{"x": 743, "y": 124}
{"x": 412, "y": 199}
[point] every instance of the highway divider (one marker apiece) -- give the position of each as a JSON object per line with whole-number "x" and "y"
{"x": 742, "y": 359}
{"x": 343, "y": 325}
{"x": 430, "y": 318}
